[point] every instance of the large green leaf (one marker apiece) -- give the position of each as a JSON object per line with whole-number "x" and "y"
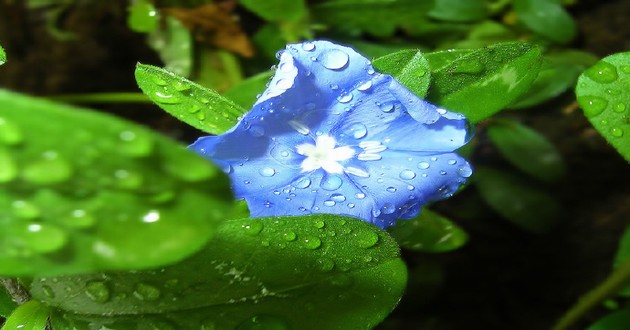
{"x": 429, "y": 232}
{"x": 481, "y": 82}
{"x": 32, "y": 315}
{"x": 277, "y": 10}
{"x": 82, "y": 191}
{"x": 285, "y": 272}
{"x": 409, "y": 67}
{"x": 603, "y": 92}
{"x": 7, "y": 305}
{"x": 547, "y": 18}
{"x": 527, "y": 149}
{"x": 525, "y": 205}
{"x": 459, "y": 11}
{"x": 618, "y": 320}
{"x": 187, "y": 101}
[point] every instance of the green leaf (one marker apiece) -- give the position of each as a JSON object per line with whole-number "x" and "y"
{"x": 527, "y": 150}
{"x": 32, "y": 315}
{"x": 429, "y": 232}
{"x": 459, "y": 11}
{"x": 481, "y": 35}
{"x": 481, "y": 82}
{"x": 603, "y": 92}
{"x": 7, "y": 305}
{"x": 246, "y": 92}
{"x": 525, "y": 205}
{"x": 143, "y": 17}
{"x": 546, "y": 18}
{"x": 3, "y": 56}
{"x": 277, "y": 10}
{"x": 283, "y": 271}
{"x": 409, "y": 67}
{"x": 618, "y": 320}
{"x": 189, "y": 102}
{"x": 623, "y": 255}
{"x": 82, "y": 191}
{"x": 174, "y": 43}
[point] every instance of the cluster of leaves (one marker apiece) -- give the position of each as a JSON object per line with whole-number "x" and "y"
{"x": 88, "y": 264}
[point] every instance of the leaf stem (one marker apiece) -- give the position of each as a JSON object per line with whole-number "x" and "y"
{"x": 19, "y": 294}
{"x": 612, "y": 284}
{"x": 121, "y": 97}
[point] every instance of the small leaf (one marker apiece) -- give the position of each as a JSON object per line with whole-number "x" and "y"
{"x": 246, "y": 92}
{"x": 189, "y": 102}
{"x": 3, "y": 56}
{"x": 82, "y": 191}
{"x": 277, "y": 10}
{"x": 143, "y": 17}
{"x": 429, "y": 232}
{"x": 32, "y": 315}
{"x": 527, "y": 149}
{"x": 7, "y": 305}
{"x": 603, "y": 92}
{"x": 459, "y": 11}
{"x": 617, "y": 320}
{"x": 546, "y": 18}
{"x": 174, "y": 44}
{"x": 481, "y": 82}
{"x": 409, "y": 67}
{"x": 526, "y": 206}
{"x": 283, "y": 271}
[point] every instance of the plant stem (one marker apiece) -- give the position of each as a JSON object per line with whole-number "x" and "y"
{"x": 122, "y": 97}
{"x": 612, "y": 284}
{"x": 15, "y": 290}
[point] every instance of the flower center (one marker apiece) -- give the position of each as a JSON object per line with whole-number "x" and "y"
{"x": 324, "y": 155}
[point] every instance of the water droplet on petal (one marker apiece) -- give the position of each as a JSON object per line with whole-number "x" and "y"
{"x": 333, "y": 59}
{"x": 302, "y": 183}
{"x": 360, "y": 195}
{"x": 365, "y": 86}
{"x": 423, "y": 165}
{"x": 357, "y": 130}
{"x": 284, "y": 83}
{"x": 452, "y": 161}
{"x": 308, "y": 46}
{"x": 602, "y": 72}
{"x": 465, "y": 171}
{"x": 329, "y": 203}
{"x": 351, "y": 205}
{"x": 388, "y": 208}
{"x": 10, "y": 134}
{"x": 338, "y": 197}
{"x": 97, "y": 291}
{"x": 387, "y": 107}
{"x": 391, "y": 189}
{"x": 331, "y": 182}
{"x": 146, "y": 292}
{"x": 407, "y": 175}
{"x": 267, "y": 171}
{"x": 344, "y": 98}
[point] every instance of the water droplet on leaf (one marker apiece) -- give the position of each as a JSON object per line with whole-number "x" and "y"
{"x": 10, "y": 134}
{"x": 365, "y": 238}
{"x": 97, "y": 291}
{"x": 312, "y": 243}
{"x": 602, "y": 72}
{"x": 49, "y": 169}
{"x": 146, "y": 292}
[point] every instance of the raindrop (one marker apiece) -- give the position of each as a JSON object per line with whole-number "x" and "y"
{"x": 194, "y": 108}
{"x": 325, "y": 264}
{"x": 8, "y": 167}
{"x": 319, "y": 224}
{"x": 256, "y": 131}
{"x": 135, "y": 143}
{"x": 344, "y": 98}
{"x": 391, "y": 189}
{"x": 10, "y": 134}
{"x": 365, "y": 238}
{"x": 333, "y": 59}
{"x": 146, "y": 292}
{"x": 267, "y": 171}
{"x": 593, "y": 105}
{"x": 308, "y": 46}
{"x": 619, "y": 107}
{"x": 302, "y": 183}
{"x": 125, "y": 179}
{"x": 331, "y": 182}
{"x": 602, "y": 72}
{"x": 329, "y": 203}
{"x": 181, "y": 87}
{"x": 338, "y": 197}
{"x": 388, "y": 208}
{"x": 159, "y": 81}
{"x": 97, "y": 291}
{"x": 465, "y": 171}
{"x": 79, "y": 218}
{"x": 351, "y": 205}
{"x": 166, "y": 98}
{"x": 423, "y": 165}
{"x": 289, "y": 236}
{"x": 410, "y": 187}
{"x": 625, "y": 68}
{"x": 252, "y": 228}
{"x": 360, "y": 195}
{"x": 407, "y": 175}
{"x": 284, "y": 83}
{"x": 452, "y": 161}
{"x": 365, "y": 86}
{"x": 357, "y": 130}
{"x": 49, "y": 169}
{"x": 48, "y": 291}
{"x": 312, "y": 243}
{"x": 443, "y": 172}
{"x": 434, "y": 159}
{"x": 387, "y": 107}
{"x": 616, "y": 132}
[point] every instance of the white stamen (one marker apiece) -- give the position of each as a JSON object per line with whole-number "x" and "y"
{"x": 324, "y": 155}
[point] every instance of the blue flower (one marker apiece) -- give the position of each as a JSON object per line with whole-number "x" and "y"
{"x": 331, "y": 135}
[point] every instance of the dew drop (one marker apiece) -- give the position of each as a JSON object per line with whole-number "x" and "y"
{"x": 407, "y": 174}
{"x": 50, "y": 168}
{"x": 365, "y": 86}
{"x": 289, "y": 236}
{"x": 267, "y": 172}
{"x": 344, "y": 98}
{"x": 48, "y": 291}
{"x": 8, "y": 167}
{"x": 351, "y": 205}
{"x": 331, "y": 182}
{"x": 602, "y": 72}
{"x": 252, "y": 228}
{"x": 338, "y": 198}
{"x": 333, "y": 59}
{"x": 365, "y": 238}
{"x": 308, "y": 46}
{"x": 135, "y": 143}
{"x": 146, "y": 292}
{"x": 166, "y": 98}
{"x": 329, "y": 203}
{"x": 125, "y": 179}
{"x": 593, "y": 105}
{"x": 423, "y": 165}
{"x": 625, "y": 68}
{"x": 357, "y": 130}
{"x": 284, "y": 83}
{"x": 312, "y": 243}
{"x": 10, "y": 134}
{"x": 360, "y": 195}
{"x": 388, "y": 208}
{"x": 452, "y": 161}
{"x": 619, "y": 107}
{"x": 302, "y": 183}
{"x": 391, "y": 189}
{"x": 616, "y": 132}
{"x": 387, "y": 107}
{"x": 325, "y": 264}
{"x": 194, "y": 108}
{"x": 97, "y": 291}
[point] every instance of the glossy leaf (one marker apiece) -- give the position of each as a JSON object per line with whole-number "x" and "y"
{"x": 7, "y": 305}
{"x": 3, "y": 56}
{"x": 286, "y": 271}
{"x": 429, "y": 232}
{"x": 483, "y": 81}
{"x": 527, "y": 150}
{"x": 603, "y": 92}
{"x": 546, "y": 18}
{"x": 276, "y": 10}
{"x": 459, "y": 11}
{"x": 409, "y": 67}
{"x": 481, "y": 35}
{"x": 246, "y": 92}
{"x": 143, "y": 17}
{"x": 617, "y": 320}
{"x": 187, "y": 101}
{"x": 174, "y": 43}
{"x": 82, "y": 191}
{"x": 32, "y": 315}
{"x": 527, "y": 206}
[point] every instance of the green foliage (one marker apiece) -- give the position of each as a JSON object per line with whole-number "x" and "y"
{"x": 459, "y": 11}
{"x": 409, "y": 67}
{"x": 143, "y": 17}
{"x": 547, "y": 18}
{"x": 618, "y": 320}
{"x": 481, "y": 82}
{"x": 82, "y": 191}
{"x": 3, "y": 56}
{"x": 246, "y": 92}
{"x": 277, "y": 10}
{"x": 187, "y": 101}
{"x": 429, "y": 232}
{"x": 174, "y": 44}
{"x": 527, "y": 150}
{"x": 603, "y": 92}
{"x": 623, "y": 255}
{"x": 32, "y": 315}
{"x": 340, "y": 267}
{"x": 523, "y": 204}
{"x": 7, "y": 305}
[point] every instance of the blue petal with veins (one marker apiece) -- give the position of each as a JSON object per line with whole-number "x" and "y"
{"x": 331, "y": 135}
